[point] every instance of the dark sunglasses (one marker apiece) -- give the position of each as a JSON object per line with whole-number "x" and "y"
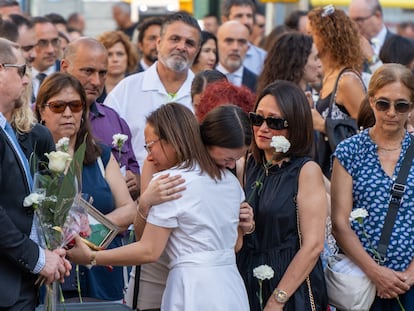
{"x": 21, "y": 69}
{"x": 401, "y": 106}
{"x": 59, "y": 106}
{"x": 272, "y": 122}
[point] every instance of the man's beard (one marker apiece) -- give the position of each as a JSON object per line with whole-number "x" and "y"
{"x": 176, "y": 64}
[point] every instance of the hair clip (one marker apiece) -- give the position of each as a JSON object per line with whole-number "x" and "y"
{"x": 328, "y": 10}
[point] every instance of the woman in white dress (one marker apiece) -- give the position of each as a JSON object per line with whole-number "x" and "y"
{"x": 198, "y": 231}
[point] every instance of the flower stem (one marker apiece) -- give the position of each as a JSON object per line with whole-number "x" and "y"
{"x": 400, "y": 304}
{"x": 78, "y": 284}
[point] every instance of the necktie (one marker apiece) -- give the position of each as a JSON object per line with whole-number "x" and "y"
{"x": 9, "y": 130}
{"x": 40, "y": 76}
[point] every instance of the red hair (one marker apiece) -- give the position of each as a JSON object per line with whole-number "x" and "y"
{"x": 221, "y": 93}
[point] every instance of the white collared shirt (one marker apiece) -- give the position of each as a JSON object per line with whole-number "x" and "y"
{"x": 378, "y": 41}
{"x": 137, "y": 95}
{"x": 235, "y": 77}
{"x": 35, "y": 80}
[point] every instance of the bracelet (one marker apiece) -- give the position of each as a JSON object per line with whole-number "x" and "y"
{"x": 93, "y": 259}
{"x": 140, "y": 214}
{"x": 252, "y": 228}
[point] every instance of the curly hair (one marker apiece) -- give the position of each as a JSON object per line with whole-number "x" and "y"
{"x": 286, "y": 59}
{"x": 110, "y": 38}
{"x": 223, "y": 92}
{"x": 337, "y": 35}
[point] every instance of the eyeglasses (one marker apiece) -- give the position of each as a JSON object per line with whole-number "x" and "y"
{"x": 363, "y": 19}
{"x": 401, "y": 106}
{"x": 44, "y": 43}
{"x": 148, "y": 146}
{"x": 21, "y": 69}
{"x": 272, "y": 122}
{"x": 59, "y": 106}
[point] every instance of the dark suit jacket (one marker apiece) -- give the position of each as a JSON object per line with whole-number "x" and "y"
{"x": 18, "y": 254}
{"x": 249, "y": 79}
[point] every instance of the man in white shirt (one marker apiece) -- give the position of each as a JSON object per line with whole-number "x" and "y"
{"x": 232, "y": 41}
{"x": 167, "y": 80}
{"x": 243, "y": 11}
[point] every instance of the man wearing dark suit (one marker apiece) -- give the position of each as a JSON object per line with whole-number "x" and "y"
{"x": 21, "y": 259}
{"x": 367, "y": 14}
{"x": 232, "y": 40}
{"x": 149, "y": 33}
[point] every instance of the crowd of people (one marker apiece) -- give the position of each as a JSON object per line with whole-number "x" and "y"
{"x": 227, "y": 164}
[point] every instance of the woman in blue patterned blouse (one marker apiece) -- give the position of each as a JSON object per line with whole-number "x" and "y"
{"x": 365, "y": 167}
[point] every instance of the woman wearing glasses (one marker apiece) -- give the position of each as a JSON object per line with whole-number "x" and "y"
{"x": 287, "y": 194}
{"x": 199, "y": 231}
{"x": 61, "y": 106}
{"x": 364, "y": 169}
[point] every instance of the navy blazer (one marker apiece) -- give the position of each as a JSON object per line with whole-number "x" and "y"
{"x": 18, "y": 254}
{"x": 249, "y": 79}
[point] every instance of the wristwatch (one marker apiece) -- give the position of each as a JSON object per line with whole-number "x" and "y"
{"x": 280, "y": 295}
{"x": 93, "y": 259}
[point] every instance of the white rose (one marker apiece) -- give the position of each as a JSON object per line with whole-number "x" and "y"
{"x": 263, "y": 272}
{"x": 359, "y": 213}
{"x": 33, "y": 199}
{"x": 280, "y": 143}
{"x": 58, "y": 161}
{"x": 63, "y": 144}
{"x": 118, "y": 140}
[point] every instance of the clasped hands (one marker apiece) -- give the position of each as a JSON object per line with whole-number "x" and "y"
{"x": 56, "y": 267}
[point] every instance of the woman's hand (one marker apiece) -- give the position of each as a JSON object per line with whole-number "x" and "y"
{"x": 318, "y": 121}
{"x": 246, "y": 222}
{"x": 389, "y": 283}
{"x": 162, "y": 189}
{"x": 79, "y": 253}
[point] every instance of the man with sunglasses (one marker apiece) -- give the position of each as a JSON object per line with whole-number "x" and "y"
{"x": 47, "y": 48}
{"x": 87, "y": 60}
{"x": 21, "y": 259}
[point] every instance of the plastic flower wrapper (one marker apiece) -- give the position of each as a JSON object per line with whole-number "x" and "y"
{"x": 263, "y": 272}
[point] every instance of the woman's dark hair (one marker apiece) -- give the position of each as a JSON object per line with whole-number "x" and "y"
{"x": 286, "y": 59}
{"x": 177, "y": 125}
{"x": 292, "y": 21}
{"x": 226, "y": 126}
{"x": 397, "y": 49}
{"x": 205, "y": 36}
{"x": 53, "y": 85}
{"x": 295, "y": 108}
{"x": 202, "y": 78}
{"x": 366, "y": 116}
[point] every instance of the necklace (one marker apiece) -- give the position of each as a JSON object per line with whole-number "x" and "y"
{"x": 389, "y": 149}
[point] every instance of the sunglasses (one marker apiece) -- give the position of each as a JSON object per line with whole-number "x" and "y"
{"x": 401, "y": 106}
{"x": 272, "y": 122}
{"x": 59, "y": 106}
{"x": 21, "y": 69}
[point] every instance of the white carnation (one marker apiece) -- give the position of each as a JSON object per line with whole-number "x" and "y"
{"x": 63, "y": 144}
{"x": 359, "y": 213}
{"x": 263, "y": 272}
{"x": 280, "y": 143}
{"x": 33, "y": 199}
{"x": 118, "y": 140}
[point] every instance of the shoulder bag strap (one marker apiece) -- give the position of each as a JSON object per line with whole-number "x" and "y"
{"x": 332, "y": 99}
{"x": 397, "y": 192}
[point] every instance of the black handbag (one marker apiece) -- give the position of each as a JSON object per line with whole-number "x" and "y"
{"x": 336, "y": 130}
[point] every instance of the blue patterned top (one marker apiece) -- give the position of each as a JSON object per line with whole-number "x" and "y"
{"x": 371, "y": 191}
